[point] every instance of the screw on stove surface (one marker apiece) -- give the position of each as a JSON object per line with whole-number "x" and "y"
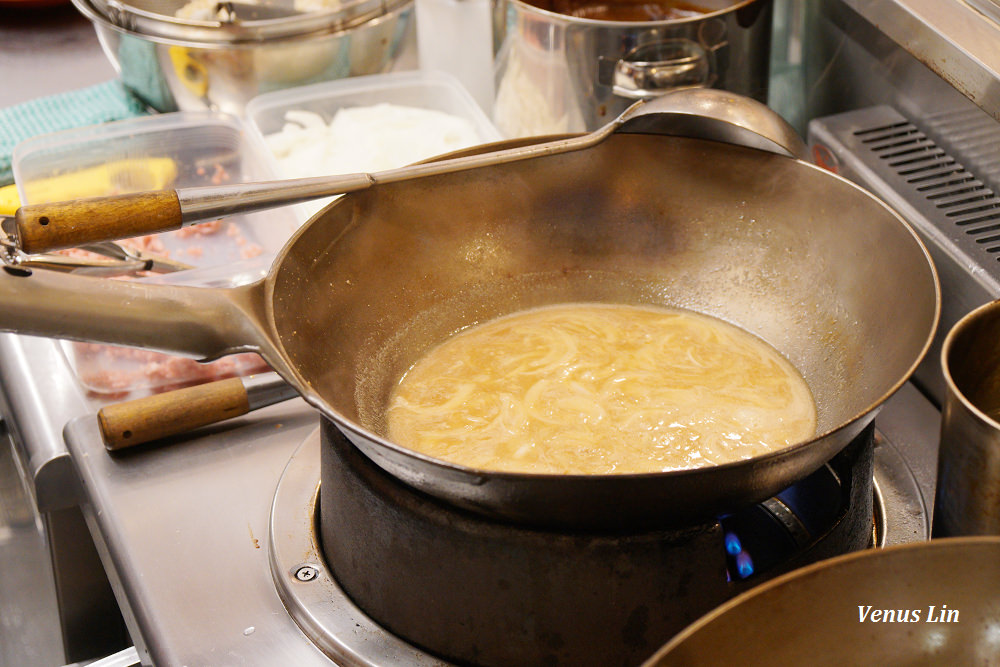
{"x": 306, "y": 573}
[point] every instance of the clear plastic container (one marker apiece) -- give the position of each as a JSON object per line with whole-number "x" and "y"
{"x": 110, "y": 372}
{"x": 398, "y": 145}
{"x": 166, "y": 151}
{"x": 172, "y": 150}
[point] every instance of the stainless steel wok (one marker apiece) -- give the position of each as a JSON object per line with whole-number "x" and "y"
{"x": 835, "y": 612}
{"x": 812, "y": 264}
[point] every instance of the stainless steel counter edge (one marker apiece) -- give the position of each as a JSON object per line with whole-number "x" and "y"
{"x": 952, "y": 38}
{"x": 38, "y": 396}
{"x": 181, "y": 528}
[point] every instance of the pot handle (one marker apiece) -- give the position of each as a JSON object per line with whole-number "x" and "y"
{"x": 654, "y": 69}
{"x": 200, "y": 322}
{"x": 717, "y": 115}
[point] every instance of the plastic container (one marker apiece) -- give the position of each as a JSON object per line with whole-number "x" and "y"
{"x": 110, "y": 372}
{"x": 153, "y": 152}
{"x": 182, "y": 149}
{"x": 430, "y": 90}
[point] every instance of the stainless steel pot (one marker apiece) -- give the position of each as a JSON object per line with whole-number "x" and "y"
{"x": 558, "y": 73}
{"x": 195, "y": 65}
{"x": 929, "y": 603}
{"x": 814, "y": 265}
{"x": 968, "y": 487}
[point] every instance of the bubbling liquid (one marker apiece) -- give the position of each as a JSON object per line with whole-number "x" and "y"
{"x": 600, "y": 389}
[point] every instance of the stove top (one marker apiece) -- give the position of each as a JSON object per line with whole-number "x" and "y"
{"x": 195, "y": 533}
{"x": 466, "y": 586}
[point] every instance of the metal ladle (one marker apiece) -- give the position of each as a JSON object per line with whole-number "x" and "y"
{"x": 699, "y": 112}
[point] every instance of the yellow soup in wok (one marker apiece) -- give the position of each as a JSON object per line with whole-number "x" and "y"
{"x": 599, "y": 389}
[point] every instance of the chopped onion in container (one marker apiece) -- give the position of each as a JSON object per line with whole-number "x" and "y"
{"x": 365, "y": 139}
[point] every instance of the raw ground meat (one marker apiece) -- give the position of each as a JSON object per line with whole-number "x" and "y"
{"x": 114, "y": 371}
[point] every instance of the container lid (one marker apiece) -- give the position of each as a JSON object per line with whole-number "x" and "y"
{"x": 212, "y": 22}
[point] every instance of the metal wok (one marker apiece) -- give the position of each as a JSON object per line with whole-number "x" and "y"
{"x": 812, "y": 264}
{"x": 929, "y": 603}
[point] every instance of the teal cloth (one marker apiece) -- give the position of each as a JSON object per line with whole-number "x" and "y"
{"x": 100, "y": 103}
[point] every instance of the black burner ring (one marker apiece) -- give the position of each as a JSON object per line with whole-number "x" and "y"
{"x": 478, "y": 591}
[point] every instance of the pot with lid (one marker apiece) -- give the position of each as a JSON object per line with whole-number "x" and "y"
{"x": 196, "y": 55}
{"x": 572, "y": 65}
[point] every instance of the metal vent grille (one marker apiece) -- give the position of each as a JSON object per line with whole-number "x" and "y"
{"x": 962, "y": 198}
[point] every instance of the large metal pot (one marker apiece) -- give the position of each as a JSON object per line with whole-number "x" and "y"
{"x": 917, "y": 604}
{"x": 814, "y": 265}
{"x": 561, "y": 73}
{"x": 194, "y": 65}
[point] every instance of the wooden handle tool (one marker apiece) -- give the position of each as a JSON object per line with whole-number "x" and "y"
{"x": 46, "y": 227}
{"x": 54, "y": 226}
{"x": 154, "y": 417}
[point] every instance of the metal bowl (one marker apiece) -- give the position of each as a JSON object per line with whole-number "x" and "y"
{"x": 181, "y": 65}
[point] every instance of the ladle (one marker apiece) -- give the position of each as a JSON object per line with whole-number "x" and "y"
{"x": 702, "y": 112}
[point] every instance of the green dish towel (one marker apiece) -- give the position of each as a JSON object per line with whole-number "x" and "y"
{"x": 100, "y": 103}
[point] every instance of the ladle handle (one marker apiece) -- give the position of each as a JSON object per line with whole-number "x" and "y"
{"x": 45, "y": 227}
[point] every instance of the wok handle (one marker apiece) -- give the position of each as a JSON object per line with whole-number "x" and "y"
{"x": 153, "y": 417}
{"x": 199, "y": 322}
{"x": 45, "y": 227}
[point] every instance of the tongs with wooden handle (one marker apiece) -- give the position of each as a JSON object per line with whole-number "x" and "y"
{"x": 155, "y": 417}
{"x": 115, "y": 259}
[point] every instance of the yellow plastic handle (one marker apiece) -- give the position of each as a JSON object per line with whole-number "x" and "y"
{"x": 192, "y": 73}
{"x": 9, "y": 201}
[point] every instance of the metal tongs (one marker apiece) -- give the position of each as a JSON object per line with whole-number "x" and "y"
{"x": 120, "y": 259}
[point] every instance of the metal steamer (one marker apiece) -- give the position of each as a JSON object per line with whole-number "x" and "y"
{"x": 220, "y": 64}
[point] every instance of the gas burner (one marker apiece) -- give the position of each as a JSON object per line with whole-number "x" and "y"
{"x": 701, "y": 566}
{"x": 310, "y": 594}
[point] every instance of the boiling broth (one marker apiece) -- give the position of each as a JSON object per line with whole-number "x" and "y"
{"x": 598, "y": 389}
